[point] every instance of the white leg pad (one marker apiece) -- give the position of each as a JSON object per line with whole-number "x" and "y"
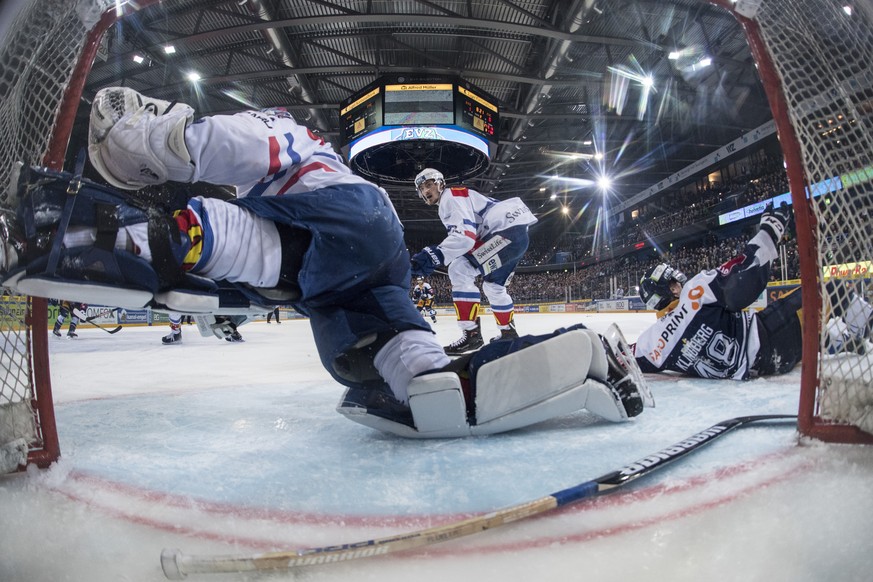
{"x": 529, "y": 376}
{"x": 437, "y": 404}
{"x": 599, "y": 368}
{"x": 361, "y": 416}
{"x": 604, "y": 402}
{"x": 559, "y": 404}
{"x": 84, "y": 292}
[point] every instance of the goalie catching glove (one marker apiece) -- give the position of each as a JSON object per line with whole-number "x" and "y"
{"x": 137, "y": 141}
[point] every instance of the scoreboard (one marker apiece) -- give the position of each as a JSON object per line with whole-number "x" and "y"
{"x": 477, "y": 113}
{"x": 419, "y": 104}
{"x": 449, "y": 102}
{"x": 398, "y": 125}
{"x": 361, "y": 115}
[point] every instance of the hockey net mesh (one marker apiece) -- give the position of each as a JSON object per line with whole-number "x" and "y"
{"x": 822, "y": 56}
{"x": 822, "y": 51}
{"x": 39, "y": 52}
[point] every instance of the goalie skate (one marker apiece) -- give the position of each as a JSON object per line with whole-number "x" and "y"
{"x": 623, "y": 367}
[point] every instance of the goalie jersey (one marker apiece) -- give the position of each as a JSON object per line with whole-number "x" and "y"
{"x": 707, "y": 333}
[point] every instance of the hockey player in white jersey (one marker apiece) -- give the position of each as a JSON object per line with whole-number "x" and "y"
{"x": 486, "y": 237}
{"x": 305, "y": 232}
{"x": 702, "y": 328}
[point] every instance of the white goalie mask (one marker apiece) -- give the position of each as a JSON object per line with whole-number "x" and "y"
{"x": 429, "y": 174}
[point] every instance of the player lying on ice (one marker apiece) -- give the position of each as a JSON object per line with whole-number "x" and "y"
{"x": 304, "y": 232}
{"x": 703, "y": 331}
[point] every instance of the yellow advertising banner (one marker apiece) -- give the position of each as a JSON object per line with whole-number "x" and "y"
{"x": 859, "y": 270}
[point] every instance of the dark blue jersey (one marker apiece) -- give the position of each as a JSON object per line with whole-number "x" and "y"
{"x": 707, "y": 333}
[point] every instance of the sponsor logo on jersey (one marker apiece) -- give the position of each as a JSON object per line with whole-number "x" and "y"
{"x": 490, "y": 248}
{"x": 673, "y": 325}
{"x": 516, "y": 214}
{"x": 694, "y": 294}
{"x": 693, "y": 346}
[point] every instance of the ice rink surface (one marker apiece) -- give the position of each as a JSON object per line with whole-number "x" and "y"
{"x": 219, "y": 448}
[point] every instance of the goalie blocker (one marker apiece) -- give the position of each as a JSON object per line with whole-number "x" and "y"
{"x": 72, "y": 239}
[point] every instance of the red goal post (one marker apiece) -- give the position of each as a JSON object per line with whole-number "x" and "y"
{"x": 813, "y": 58}
{"x": 47, "y": 48}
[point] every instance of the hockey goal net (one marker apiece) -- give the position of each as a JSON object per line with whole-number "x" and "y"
{"x": 814, "y": 59}
{"x": 46, "y": 49}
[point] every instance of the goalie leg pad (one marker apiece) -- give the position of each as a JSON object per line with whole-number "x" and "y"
{"x": 604, "y": 401}
{"x": 93, "y": 268}
{"x": 534, "y": 374}
{"x": 436, "y": 408}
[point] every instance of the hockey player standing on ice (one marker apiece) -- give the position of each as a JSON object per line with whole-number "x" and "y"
{"x": 304, "y": 226}
{"x": 702, "y": 329}
{"x": 175, "y": 335}
{"x": 274, "y": 313}
{"x": 486, "y": 237}
{"x": 422, "y": 295}
{"x": 72, "y": 310}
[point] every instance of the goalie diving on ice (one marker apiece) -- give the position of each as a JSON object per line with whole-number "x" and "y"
{"x": 303, "y": 232}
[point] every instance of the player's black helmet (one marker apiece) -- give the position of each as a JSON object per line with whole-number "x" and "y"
{"x": 655, "y": 285}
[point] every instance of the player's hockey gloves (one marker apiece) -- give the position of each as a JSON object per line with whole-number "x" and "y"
{"x": 774, "y": 221}
{"x": 425, "y": 262}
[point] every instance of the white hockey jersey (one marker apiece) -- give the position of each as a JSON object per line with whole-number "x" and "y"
{"x": 471, "y": 218}
{"x": 422, "y": 291}
{"x": 707, "y": 334}
{"x": 289, "y": 157}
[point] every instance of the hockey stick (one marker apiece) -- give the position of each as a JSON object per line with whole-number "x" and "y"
{"x": 90, "y": 320}
{"x": 93, "y": 317}
{"x": 177, "y": 565}
{"x": 115, "y": 329}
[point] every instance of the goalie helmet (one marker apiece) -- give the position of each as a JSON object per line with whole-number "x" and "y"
{"x": 655, "y": 285}
{"x": 429, "y": 174}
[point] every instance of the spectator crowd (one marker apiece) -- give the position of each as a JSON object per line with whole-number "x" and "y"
{"x": 568, "y": 270}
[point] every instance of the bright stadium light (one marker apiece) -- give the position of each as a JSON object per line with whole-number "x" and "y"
{"x": 193, "y": 76}
{"x": 604, "y": 183}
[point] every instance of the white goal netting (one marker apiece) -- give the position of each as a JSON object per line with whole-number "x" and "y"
{"x": 814, "y": 57}
{"x": 40, "y": 47}
{"x": 821, "y": 51}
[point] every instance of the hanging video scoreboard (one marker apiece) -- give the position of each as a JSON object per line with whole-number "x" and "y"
{"x": 360, "y": 115}
{"x": 433, "y": 104}
{"x": 477, "y": 113}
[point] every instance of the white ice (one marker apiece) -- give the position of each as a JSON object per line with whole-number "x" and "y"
{"x": 219, "y": 448}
